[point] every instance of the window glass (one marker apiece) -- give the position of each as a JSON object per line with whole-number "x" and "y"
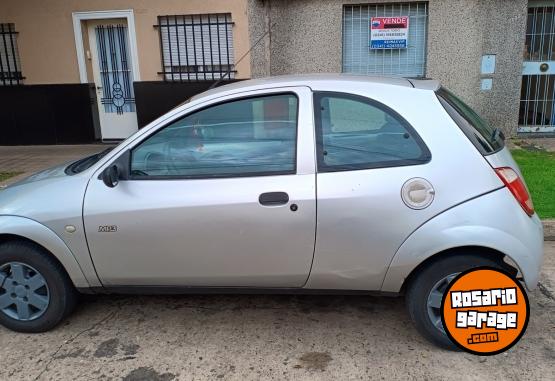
{"x": 356, "y": 133}
{"x": 252, "y": 136}
{"x": 482, "y": 135}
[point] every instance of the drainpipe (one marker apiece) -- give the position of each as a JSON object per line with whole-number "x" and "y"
{"x": 268, "y": 38}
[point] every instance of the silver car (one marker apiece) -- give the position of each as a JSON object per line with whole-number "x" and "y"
{"x": 296, "y": 184}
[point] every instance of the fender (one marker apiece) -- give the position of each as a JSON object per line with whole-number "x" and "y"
{"x": 42, "y": 235}
{"x": 494, "y": 221}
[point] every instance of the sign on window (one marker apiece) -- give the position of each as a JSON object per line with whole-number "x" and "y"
{"x": 389, "y": 32}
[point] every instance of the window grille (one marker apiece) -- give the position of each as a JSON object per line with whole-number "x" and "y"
{"x": 358, "y": 58}
{"x": 196, "y": 47}
{"x": 10, "y": 67}
{"x": 537, "y": 93}
{"x": 540, "y": 34}
{"x": 115, "y": 73}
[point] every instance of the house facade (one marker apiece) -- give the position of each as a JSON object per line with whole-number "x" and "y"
{"x": 81, "y": 71}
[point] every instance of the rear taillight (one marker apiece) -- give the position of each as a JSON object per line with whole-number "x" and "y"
{"x": 515, "y": 184}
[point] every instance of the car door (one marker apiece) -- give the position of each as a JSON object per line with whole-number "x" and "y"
{"x": 221, "y": 196}
{"x": 366, "y": 152}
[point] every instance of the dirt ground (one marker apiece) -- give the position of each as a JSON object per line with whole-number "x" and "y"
{"x": 266, "y": 337}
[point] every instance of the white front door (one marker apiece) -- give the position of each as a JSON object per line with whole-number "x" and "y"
{"x": 113, "y": 78}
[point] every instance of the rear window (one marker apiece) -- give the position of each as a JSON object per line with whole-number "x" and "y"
{"x": 486, "y": 139}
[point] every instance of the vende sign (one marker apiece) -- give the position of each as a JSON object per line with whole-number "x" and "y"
{"x": 389, "y": 32}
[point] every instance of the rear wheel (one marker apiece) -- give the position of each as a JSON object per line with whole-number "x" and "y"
{"x": 425, "y": 292}
{"x": 35, "y": 291}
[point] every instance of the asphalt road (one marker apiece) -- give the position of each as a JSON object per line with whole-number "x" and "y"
{"x": 266, "y": 337}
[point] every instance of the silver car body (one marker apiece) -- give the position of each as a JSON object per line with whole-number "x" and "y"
{"x": 352, "y": 231}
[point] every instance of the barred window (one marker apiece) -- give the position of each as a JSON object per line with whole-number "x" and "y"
{"x": 196, "y": 47}
{"x": 358, "y": 55}
{"x": 10, "y": 67}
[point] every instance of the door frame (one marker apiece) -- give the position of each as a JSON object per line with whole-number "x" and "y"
{"x": 127, "y": 14}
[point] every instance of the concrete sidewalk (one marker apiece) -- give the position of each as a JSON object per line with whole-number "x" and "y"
{"x": 29, "y": 159}
{"x": 546, "y": 144}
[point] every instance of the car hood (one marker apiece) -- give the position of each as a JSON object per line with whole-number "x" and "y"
{"x": 44, "y": 195}
{"x": 57, "y": 171}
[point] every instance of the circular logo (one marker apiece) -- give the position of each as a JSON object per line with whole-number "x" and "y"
{"x": 485, "y": 311}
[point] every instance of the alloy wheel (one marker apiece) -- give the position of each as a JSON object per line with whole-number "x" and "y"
{"x": 434, "y": 300}
{"x": 24, "y": 293}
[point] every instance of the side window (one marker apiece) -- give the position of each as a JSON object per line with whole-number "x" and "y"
{"x": 254, "y": 136}
{"x": 354, "y": 132}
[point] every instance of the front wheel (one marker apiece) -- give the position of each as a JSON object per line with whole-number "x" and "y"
{"x": 425, "y": 293}
{"x": 35, "y": 291}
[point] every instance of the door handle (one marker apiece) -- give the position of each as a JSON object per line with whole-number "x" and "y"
{"x": 273, "y": 198}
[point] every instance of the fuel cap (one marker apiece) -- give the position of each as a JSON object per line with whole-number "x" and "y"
{"x": 417, "y": 193}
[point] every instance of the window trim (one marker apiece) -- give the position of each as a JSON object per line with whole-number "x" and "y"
{"x": 221, "y": 176}
{"x": 322, "y": 167}
{"x": 466, "y": 127}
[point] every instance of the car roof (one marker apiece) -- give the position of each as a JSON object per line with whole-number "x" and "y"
{"x": 318, "y": 81}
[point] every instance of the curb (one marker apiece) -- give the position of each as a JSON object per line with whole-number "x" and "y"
{"x": 549, "y": 230}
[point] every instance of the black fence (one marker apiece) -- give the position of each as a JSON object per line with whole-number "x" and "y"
{"x": 10, "y": 70}
{"x": 46, "y": 114}
{"x": 196, "y": 47}
{"x": 156, "y": 98}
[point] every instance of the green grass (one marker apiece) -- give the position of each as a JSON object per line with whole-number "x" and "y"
{"x": 6, "y": 175}
{"x": 538, "y": 169}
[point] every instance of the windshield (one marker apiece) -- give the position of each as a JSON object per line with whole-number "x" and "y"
{"x": 486, "y": 138}
{"x": 86, "y": 162}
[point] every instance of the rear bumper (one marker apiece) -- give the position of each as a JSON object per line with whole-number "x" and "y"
{"x": 494, "y": 220}
{"x": 530, "y": 263}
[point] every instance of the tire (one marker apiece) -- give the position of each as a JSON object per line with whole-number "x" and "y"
{"x": 55, "y": 290}
{"x": 438, "y": 272}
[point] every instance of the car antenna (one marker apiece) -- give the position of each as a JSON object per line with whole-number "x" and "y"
{"x": 243, "y": 56}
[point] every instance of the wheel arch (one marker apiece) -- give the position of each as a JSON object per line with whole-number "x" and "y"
{"x": 423, "y": 249}
{"x": 15, "y": 228}
{"x": 476, "y": 251}
{"x": 492, "y": 224}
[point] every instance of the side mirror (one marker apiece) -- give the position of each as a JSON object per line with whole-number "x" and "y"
{"x": 110, "y": 176}
{"x": 118, "y": 170}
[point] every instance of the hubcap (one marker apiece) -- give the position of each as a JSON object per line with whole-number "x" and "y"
{"x": 24, "y": 294}
{"x": 434, "y": 301}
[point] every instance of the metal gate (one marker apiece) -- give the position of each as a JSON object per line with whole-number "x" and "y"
{"x": 537, "y": 98}
{"x": 115, "y": 73}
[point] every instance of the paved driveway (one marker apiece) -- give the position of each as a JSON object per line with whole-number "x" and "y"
{"x": 29, "y": 159}
{"x": 266, "y": 337}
